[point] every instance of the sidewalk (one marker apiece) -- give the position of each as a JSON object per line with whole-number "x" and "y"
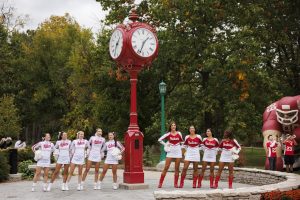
{"x": 22, "y": 190}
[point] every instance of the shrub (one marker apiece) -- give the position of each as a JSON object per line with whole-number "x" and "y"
{"x": 25, "y": 154}
{"x": 4, "y": 167}
{"x": 23, "y": 168}
{"x": 147, "y": 158}
{"x": 277, "y": 195}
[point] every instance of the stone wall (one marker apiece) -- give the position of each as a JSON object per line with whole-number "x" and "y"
{"x": 264, "y": 181}
{"x": 246, "y": 175}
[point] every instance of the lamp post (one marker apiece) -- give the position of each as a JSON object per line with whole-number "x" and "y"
{"x": 162, "y": 92}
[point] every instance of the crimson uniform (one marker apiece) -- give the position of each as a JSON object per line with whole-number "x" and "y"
{"x": 210, "y": 148}
{"x": 289, "y": 152}
{"x": 226, "y": 146}
{"x": 283, "y": 116}
{"x": 174, "y": 142}
{"x": 192, "y": 148}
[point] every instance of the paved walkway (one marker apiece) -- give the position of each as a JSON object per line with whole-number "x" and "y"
{"x": 22, "y": 190}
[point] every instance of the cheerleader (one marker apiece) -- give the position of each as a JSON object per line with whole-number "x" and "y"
{"x": 174, "y": 139}
{"x": 46, "y": 148}
{"x": 63, "y": 145}
{"x": 229, "y": 147}
{"x": 78, "y": 148}
{"x": 96, "y": 143}
{"x": 192, "y": 154}
{"x": 114, "y": 150}
{"x": 210, "y": 147}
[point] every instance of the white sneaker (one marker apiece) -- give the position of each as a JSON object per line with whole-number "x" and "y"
{"x": 95, "y": 186}
{"x": 99, "y": 185}
{"x": 49, "y": 187}
{"x": 78, "y": 187}
{"x": 44, "y": 187}
{"x": 63, "y": 188}
{"x": 66, "y": 187}
{"x": 33, "y": 187}
{"x": 115, "y": 186}
{"x": 81, "y": 186}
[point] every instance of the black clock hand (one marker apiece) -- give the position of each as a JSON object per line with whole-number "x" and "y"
{"x": 143, "y": 45}
{"x": 117, "y": 44}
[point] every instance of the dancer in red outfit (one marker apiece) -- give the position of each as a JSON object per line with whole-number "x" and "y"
{"x": 192, "y": 143}
{"x": 229, "y": 147}
{"x": 173, "y": 147}
{"x": 289, "y": 159}
{"x": 210, "y": 147}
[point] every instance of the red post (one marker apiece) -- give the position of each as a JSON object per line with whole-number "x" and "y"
{"x": 133, "y": 140}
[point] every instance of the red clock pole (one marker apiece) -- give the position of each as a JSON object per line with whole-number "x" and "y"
{"x": 134, "y": 46}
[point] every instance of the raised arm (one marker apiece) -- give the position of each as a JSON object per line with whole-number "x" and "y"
{"x": 162, "y": 138}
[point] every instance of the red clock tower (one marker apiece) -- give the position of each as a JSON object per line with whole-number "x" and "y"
{"x": 133, "y": 46}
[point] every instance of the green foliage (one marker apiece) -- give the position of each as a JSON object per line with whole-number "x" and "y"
{"x": 4, "y": 167}
{"x": 147, "y": 158}
{"x": 25, "y": 154}
{"x": 9, "y": 118}
{"x": 224, "y": 62}
{"x": 23, "y": 168}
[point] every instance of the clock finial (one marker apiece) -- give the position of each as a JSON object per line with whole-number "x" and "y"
{"x": 133, "y": 16}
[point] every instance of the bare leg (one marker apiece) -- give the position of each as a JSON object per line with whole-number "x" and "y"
{"x": 105, "y": 168}
{"x": 66, "y": 171}
{"x": 212, "y": 169}
{"x": 204, "y": 165}
{"x": 55, "y": 173}
{"x": 97, "y": 166}
{"x": 46, "y": 170}
{"x": 37, "y": 174}
{"x": 221, "y": 167}
{"x": 114, "y": 172}
{"x": 80, "y": 173}
{"x": 185, "y": 167}
{"x": 72, "y": 168}
{"x": 177, "y": 164}
{"x": 87, "y": 169}
{"x": 167, "y": 165}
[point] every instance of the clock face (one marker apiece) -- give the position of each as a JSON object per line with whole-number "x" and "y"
{"x": 116, "y": 44}
{"x": 143, "y": 42}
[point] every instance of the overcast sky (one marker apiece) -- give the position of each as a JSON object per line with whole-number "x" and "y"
{"x": 87, "y": 13}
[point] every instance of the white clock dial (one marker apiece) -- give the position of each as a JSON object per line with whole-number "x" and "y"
{"x": 116, "y": 44}
{"x": 143, "y": 42}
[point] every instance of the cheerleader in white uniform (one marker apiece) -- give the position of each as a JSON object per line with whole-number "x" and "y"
{"x": 46, "y": 148}
{"x": 114, "y": 153}
{"x": 191, "y": 143}
{"x": 174, "y": 139}
{"x": 229, "y": 147}
{"x": 63, "y": 145}
{"x": 96, "y": 151}
{"x": 210, "y": 147}
{"x": 78, "y": 147}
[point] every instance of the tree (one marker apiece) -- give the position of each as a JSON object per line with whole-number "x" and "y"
{"x": 9, "y": 118}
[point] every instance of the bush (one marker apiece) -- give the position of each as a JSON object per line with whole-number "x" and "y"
{"x": 25, "y": 154}
{"x": 4, "y": 167}
{"x": 23, "y": 168}
{"x": 147, "y": 158}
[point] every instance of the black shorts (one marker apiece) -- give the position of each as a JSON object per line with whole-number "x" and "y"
{"x": 289, "y": 159}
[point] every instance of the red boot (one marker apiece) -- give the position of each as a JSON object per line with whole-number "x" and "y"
{"x": 216, "y": 181}
{"x": 195, "y": 178}
{"x": 230, "y": 180}
{"x": 161, "y": 180}
{"x": 211, "y": 179}
{"x": 199, "y": 181}
{"x": 181, "y": 181}
{"x": 176, "y": 181}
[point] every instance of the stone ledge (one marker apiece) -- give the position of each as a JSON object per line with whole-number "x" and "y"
{"x": 285, "y": 182}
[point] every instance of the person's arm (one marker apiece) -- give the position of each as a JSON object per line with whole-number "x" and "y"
{"x": 295, "y": 142}
{"x": 121, "y": 147}
{"x": 34, "y": 147}
{"x": 273, "y": 143}
{"x": 161, "y": 139}
{"x": 238, "y": 146}
{"x": 17, "y": 144}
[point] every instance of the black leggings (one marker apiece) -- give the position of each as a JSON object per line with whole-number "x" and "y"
{"x": 272, "y": 163}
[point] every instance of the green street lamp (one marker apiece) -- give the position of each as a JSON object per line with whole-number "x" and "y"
{"x": 162, "y": 91}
